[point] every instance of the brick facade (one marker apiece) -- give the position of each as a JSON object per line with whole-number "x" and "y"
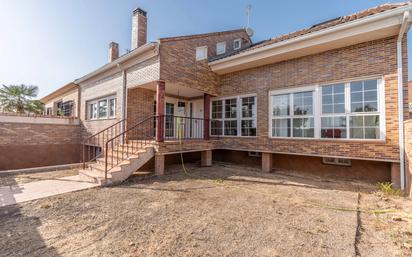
{"x": 365, "y": 59}
{"x": 25, "y": 145}
{"x": 408, "y": 156}
{"x": 178, "y": 65}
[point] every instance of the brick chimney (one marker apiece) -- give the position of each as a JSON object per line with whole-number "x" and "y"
{"x": 113, "y": 51}
{"x": 139, "y": 28}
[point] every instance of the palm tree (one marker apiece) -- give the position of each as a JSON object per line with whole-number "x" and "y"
{"x": 19, "y": 98}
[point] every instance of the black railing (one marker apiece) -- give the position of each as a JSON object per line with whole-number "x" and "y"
{"x": 93, "y": 145}
{"x": 118, "y": 144}
{"x": 129, "y": 142}
{"x": 183, "y": 128}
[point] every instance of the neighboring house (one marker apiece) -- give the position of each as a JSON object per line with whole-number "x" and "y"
{"x": 317, "y": 99}
{"x": 62, "y": 102}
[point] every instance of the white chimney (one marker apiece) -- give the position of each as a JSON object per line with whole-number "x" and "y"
{"x": 139, "y": 28}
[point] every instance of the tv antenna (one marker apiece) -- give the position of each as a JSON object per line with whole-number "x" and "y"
{"x": 249, "y": 31}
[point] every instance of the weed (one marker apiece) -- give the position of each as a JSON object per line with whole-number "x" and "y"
{"x": 388, "y": 189}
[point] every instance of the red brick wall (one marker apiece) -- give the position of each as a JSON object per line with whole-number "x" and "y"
{"x": 24, "y": 145}
{"x": 365, "y": 59}
{"x": 178, "y": 65}
{"x": 408, "y": 156}
{"x": 140, "y": 103}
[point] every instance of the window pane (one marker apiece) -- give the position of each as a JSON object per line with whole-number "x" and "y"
{"x": 230, "y": 127}
{"x": 280, "y": 105}
{"x": 333, "y": 99}
{"x": 248, "y": 107}
{"x": 365, "y": 127}
{"x": 217, "y": 109}
{"x": 103, "y": 109}
{"x": 371, "y": 84}
{"x": 217, "y": 127}
{"x": 281, "y": 127}
{"x": 230, "y": 108}
{"x": 303, "y": 103}
{"x": 248, "y": 128}
{"x": 112, "y": 107}
{"x": 303, "y": 127}
{"x": 364, "y": 96}
{"x": 333, "y": 127}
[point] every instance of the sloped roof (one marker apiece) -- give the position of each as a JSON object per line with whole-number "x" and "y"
{"x": 192, "y": 36}
{"x": 321, "y": 26}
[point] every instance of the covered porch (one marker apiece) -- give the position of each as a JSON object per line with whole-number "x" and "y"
{"x": 179, "y": 112}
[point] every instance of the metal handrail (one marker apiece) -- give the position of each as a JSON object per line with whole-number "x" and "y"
{"x": 138, "y": 134}
{"x": 100, "y": 135}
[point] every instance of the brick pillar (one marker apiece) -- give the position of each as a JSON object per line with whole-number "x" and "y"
{"x": 267, "y": 162}
{"x": 395, "y": 175}
{"x": 206, "y": 158}
{"x": 159, "y": 164}
{"x": 206, "y": 116}
{"x": 160, "y": 110}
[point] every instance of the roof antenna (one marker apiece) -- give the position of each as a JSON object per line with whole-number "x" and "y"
{"x": 249, "y": 31}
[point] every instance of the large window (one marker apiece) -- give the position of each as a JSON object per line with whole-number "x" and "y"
{"x": 292, "y": 115}
{"x": 350, "y": 110}
{"x": 235, "y": 116}
{"x": 103, "y": 108}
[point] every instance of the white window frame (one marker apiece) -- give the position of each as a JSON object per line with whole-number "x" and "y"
{"x": 223, "y": 46}
{"x": 317, "y": 109}
{"x": 201, "y": 48}
{"x": 96, "y": 102}
{"x": 238, "y": 115}
{"x": 291, "y": 115}
{"x": 234, "y": 43}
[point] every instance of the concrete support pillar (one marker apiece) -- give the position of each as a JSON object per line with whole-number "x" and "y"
{"x": 159, "y": 164}
{"x": 206, "y": 158}
{"x": 160, "y": 110}
{"x": 206, "y": 116}
{"x": 267, "y": 162}
{"x": 395, "y": 175}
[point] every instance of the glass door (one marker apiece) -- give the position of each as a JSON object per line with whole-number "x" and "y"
{"x": 169, "y": 122}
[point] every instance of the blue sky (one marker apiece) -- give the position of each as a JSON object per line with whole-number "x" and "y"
{"x": 49, "y": 43}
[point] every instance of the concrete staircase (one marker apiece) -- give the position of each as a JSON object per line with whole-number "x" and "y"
{"x": 123, "y": 161}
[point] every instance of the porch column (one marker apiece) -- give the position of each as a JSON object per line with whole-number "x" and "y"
{"x": 160, "y": 109}
{"x": 267, "y": 164}
{"x": 206, "y": 116}
{"x": 159, "y": 164}
{"x": 206, "y": 158}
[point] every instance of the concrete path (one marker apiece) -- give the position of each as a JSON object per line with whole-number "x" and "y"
{"x": 40, "y": 189}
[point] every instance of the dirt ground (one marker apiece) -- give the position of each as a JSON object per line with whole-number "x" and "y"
{"x": 224, "y": 210}
{"x": 11, "y": 179}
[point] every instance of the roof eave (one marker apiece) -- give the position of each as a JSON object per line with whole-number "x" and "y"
{"x": 236, "y": 58}
{"x": 119, "y": 61}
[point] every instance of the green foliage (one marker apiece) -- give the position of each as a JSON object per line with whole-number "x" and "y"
{"x": 19, "y": 98}
{"x": 388, "y": 189}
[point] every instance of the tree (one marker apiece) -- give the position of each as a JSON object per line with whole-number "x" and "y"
{"x": 19, "y": 98}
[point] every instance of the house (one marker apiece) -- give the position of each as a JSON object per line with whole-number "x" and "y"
{"x": 63, "y": 101}
{"x": 329, "y": 97}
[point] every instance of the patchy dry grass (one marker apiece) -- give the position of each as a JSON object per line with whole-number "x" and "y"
{"x": 224, "y": 210}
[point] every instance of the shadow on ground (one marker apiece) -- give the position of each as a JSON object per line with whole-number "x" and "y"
{"x": 24, "y": 226}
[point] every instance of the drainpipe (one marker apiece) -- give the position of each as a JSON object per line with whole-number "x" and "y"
{"x": 124, "y": 95}
{"x": 406, "y": 23}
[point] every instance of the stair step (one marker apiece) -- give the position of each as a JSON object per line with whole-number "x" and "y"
{"x": 115, "y": 160}
{"x": 101, "y": 167}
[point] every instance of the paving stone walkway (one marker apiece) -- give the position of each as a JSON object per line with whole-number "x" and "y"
{"x": 40, "y": 189}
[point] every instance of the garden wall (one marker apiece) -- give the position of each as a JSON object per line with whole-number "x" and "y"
{"x": 36, "y": 141}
